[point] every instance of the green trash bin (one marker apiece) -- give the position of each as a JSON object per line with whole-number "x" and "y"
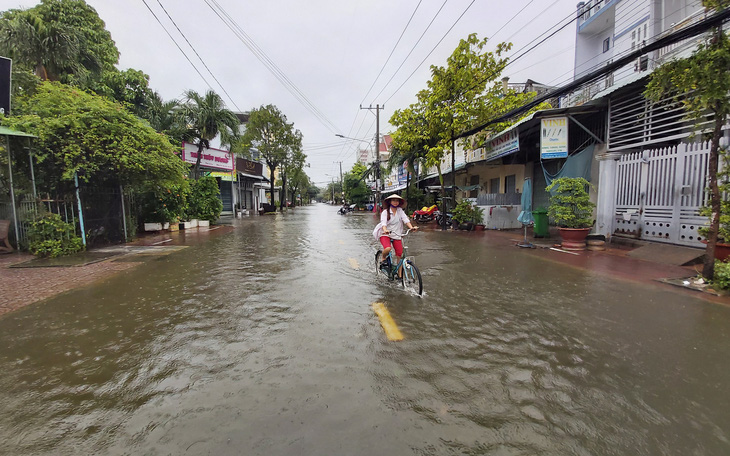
{"x": 540, "y": 229}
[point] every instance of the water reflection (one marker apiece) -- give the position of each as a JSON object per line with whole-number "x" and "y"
{"x": 263, "y": 342}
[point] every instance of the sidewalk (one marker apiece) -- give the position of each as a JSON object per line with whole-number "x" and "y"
{"x": 28, "y": 285}
{"x": 614, "y": 261}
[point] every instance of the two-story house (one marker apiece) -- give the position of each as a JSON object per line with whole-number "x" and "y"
{"x": 652, "y": 175}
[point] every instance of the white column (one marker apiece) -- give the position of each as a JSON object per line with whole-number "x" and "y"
{"x": 605, "y": 205}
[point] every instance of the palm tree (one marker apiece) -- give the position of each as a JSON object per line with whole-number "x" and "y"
{"x": 205, "y": 117}
{"x": 50, "y": 49}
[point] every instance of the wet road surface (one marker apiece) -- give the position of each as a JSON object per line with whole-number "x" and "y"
{"x": 264, "y": 341}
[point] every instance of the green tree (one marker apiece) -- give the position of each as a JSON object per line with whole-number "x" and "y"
{"x": 205, "y": 117}
{"x": 354, "y": 187}
{"x": 269, "y": 134}
{"x": 298, "y": 181}
{"x": 292, "y": 166}
{"x": 701, "y": 84}
{"x": 312, "y": 192}
{"x": 92, "y": 136}
{"x": 129, "y": 87}
{"x": 464, "y": 93}
{"x": 61, "y": 40}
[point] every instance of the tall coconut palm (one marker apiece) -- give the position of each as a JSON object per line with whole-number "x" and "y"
{"x": 205, "y": 117}
{"x": 47, "y": 48}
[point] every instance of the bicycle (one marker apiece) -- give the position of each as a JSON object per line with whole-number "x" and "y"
{"x": 410, "y": 276}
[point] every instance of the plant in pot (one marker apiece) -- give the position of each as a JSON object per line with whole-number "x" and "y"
{"x": 162, "y": 204}
{"x": 478, "y": 217}
{"x": 463, "y": 215}
{"x": 205, "y": 202}
{"x": 572, "y": 210}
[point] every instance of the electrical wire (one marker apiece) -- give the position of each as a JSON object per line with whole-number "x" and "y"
{"x": 269, "y": 64}
{"x": 198, "y": 55}
{"x": 178, "y": 46}
{"x": 391, "y": 52}
{"x": 414, "y": 47}
{"x": 431, "y": 52}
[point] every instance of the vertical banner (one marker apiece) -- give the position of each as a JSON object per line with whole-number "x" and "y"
{"x": 6, "y": 66}
{"x": 554, "y": 137}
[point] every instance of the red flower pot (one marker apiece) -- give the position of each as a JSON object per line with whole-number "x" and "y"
{"x": 574, "y": 238}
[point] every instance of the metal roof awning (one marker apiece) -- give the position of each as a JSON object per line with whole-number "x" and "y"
{"x": 5, "y": 131}
{"x": 253, "y": 176}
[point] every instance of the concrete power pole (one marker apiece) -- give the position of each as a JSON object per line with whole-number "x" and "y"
{"x": 378, "y": 180}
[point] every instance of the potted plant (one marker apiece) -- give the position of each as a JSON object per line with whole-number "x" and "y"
{"x": 722, "y": 247}
{"x": 463, "y": 215}
{"x": 205, "y": 203}
{"x": 572, "y": 210}
{"x": 161, "y": 205}
{"x": 478, "y": 217}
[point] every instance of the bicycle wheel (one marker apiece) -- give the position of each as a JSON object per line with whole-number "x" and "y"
{"x": 412, "y": 278}
{"x": 377, "y": 261}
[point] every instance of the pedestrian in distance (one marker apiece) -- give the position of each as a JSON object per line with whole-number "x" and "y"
{"x": 390, "y": 229}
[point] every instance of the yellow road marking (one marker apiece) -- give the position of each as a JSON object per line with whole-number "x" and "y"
{"x": 391, "y": 329}
{"x": 341, "y": 242}
{"x": 353, "y": 263}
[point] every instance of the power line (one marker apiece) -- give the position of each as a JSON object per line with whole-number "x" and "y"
{"x": 429, "y": 54}
{"x": 391, "y": 52}
{"x": 198, "y": 55}
{"x": 414, "y": 47}
{"x": 178, "y": 46}
{"x": 269, "y": 64}
{"x": 685, "y": 33}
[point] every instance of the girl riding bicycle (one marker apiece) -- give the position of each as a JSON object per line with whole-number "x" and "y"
{"x": 390, "y": 229}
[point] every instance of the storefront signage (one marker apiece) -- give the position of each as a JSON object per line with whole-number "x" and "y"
{"x": 222, "y": 175}
{"x": 502, "y": 145}
{"x": 554, "y": 137}
{"x": 249, "y": 167}
{"x": 212, "y": 158}
{"x": 476, "y": 155}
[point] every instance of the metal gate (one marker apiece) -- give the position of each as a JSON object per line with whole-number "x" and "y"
{"x": 659, "y": 193}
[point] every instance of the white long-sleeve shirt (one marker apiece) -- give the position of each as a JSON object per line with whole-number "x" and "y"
{"x": 394, "y": 225}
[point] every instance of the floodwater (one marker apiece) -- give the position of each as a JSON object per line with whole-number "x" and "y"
{"x": 264, "y": 342}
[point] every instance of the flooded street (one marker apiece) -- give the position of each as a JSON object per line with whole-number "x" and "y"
{"x": 264, "y": 342}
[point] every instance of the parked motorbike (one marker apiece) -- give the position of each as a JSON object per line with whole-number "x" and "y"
{"x": 439, "y": 216}
{"x": 345, "y": 209}
{"x": 426, "y": 214}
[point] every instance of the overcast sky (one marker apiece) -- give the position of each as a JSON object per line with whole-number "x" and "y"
{"x": 329, "y": 53}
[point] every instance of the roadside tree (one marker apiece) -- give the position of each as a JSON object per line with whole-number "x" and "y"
{"x": 92, "y": 137}
{"x": 205, "y": 117}
{"x": 355, "y": 189}
{"x": 272, "y": 137}
{"x": 59, "y": 40}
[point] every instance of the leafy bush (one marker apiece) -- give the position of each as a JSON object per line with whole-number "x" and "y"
{"x": 164, "y": 203}
{"x": 205, "y": 202}
{"x": 721, "y": 280}
{"x": 50, "y": 236}
{"x": 478, "y": 215}
{"x": 570, "y": 204}
{"x": 463, "y": 212}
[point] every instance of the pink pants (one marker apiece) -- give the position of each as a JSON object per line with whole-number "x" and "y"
{"x": 397, "y": 244}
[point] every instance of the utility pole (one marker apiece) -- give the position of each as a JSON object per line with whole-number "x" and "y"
{"x": 378, "y": 181}
{"x": 342, "y": 184}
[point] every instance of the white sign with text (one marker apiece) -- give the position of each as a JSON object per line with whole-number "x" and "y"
{"x": 212, "y": 158}
{"x": 554, "y": 137}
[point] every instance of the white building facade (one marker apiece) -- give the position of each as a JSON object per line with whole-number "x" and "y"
{"x": 652, "y": 177}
